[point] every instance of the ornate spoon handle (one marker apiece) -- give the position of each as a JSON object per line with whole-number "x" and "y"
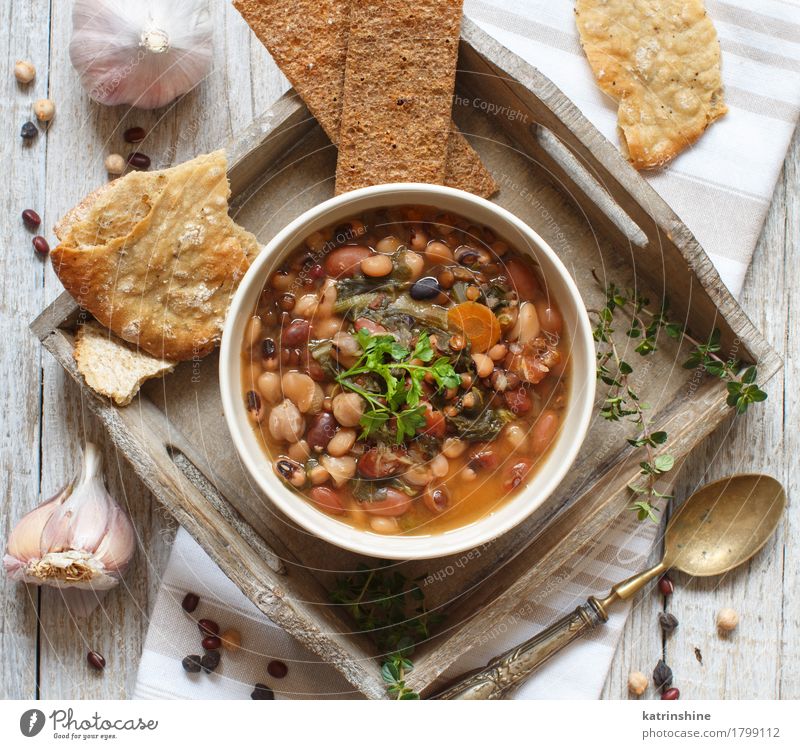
{"x": 507, "y": 670}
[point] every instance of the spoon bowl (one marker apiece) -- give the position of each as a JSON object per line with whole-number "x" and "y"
{"x": 723, "y": 524}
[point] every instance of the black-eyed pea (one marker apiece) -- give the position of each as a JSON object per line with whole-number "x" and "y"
{"x": 483, "y": 365}
{"x": 341, "y": 443}
{"x": 269, "y": 385}
{"x": 377, "y": 266}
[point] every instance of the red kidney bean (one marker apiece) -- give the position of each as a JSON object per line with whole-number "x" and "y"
{"x": 436, "y": 498}
{"x": 544, "y": 430}
{"x": 313, "y": 367}
{"x": 376, "y": 463}
{"x": 345, "y": 261}
{"x": 95, "y": 660}
{"x": 518, "y": 400}
{"x": 523, "y": 279}
{"x": 666, "y": 586}
{"x": 549, "y": 317}
{"x": 671, "y": 694}
{"x": 31, "y": 219}
{"x": 277, "y": 669}
{"x": 296, "y": 333}
{"x": 484, "y": 459}
{"x": 321, "y": 431}
{"x": 212, "y": 642}
{"x": 435, "y": 424}
{"x": 316, "y": 271}
{"x": 40, "y": 245}
{"x": 134, "y": 135}
{"x": 139, "y": 160}
{"x": 393, "y": 503}
{"x": 327, "y": 499}
{"x": 190, "y": 601}
{"x": 516, "y": 474}
{"x": 208, "y": 627}
{"x": 364, "y": 323}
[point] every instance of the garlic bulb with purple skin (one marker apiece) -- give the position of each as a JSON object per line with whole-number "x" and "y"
{"x": 144, "y": 53}
{"x": 80, "y": 538}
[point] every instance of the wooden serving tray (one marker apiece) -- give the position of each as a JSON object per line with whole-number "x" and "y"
{"x": 572, "y": 186}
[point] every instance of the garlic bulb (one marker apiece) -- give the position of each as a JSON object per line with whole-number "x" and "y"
{"x": 80, "y": 538}
{"x": 143, "y": 53}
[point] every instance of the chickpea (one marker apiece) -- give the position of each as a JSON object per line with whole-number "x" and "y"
{"x": 453, "y": 447}
{"x": 727, "y": 620}
{"x": 342, "y": 442}
{"x": 348, "y": 408}
{"x": 483, "y": 365}
{"x": 439, "y": 252}
{"x": 269, "y": 385}
{"x": 301, "y": 390}
{"x": 637, "y": 683}
{"x": 286, "y": 422}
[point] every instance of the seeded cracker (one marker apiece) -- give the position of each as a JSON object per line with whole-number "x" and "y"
{"x": 308, "y": 41}
{"x": 155, "y": 257}
{"x": 112, "y": 367}
{"x": 661, "y": 60}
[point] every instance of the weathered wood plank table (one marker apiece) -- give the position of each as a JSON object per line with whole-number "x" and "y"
{"x": 45, "y": 422}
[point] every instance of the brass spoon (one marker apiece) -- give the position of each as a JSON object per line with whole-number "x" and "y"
{"x": 718, "y": 528}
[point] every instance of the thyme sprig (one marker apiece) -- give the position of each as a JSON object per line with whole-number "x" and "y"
{"x": 622, "y": 403}
{"x": 389, "y": 606}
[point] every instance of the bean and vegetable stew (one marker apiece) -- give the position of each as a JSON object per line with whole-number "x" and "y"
{"x": 406, "y": 371}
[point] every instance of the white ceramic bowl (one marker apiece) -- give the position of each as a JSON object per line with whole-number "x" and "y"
{"x": 508, "y": 513}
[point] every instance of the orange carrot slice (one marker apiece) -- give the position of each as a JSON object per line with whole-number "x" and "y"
{"x": 477, "y": 322}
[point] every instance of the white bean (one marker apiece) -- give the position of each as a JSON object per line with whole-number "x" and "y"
{"x": 418, "y": 475}
{"x": 515, "y": 435}
{"x": 327, "y": 327}
{"x": 348, "y": 408}
{"x": 340, "y": 469}
{"x": 453, "y": 447}
{"x": 527, "y": 326}
{"x": 342, "y": 442}
{"x": 306, "y": 306}
{"x": 415, "y": 264}
{"x": 440, "y": 466}
{"x": 269, "y": 385}
{"x": 301, "y": 390}
{"x": 384, "y": 525}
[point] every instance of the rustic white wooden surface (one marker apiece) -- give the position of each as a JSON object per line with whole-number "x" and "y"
{"x": 44, "y": 421}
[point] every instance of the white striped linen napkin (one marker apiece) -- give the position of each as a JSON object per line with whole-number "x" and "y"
{"x": 721, "y": 188}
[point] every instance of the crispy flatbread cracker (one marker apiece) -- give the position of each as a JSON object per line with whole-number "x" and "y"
{"x": 661, "y": 60}
{"x": 398, "y": 92}
{"x": 112, "y": 367}
{"x": 308, "y": 41}
{"x": 155, "y": 257}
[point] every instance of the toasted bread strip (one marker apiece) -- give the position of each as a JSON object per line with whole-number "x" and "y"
{"x": 308, "y": 41}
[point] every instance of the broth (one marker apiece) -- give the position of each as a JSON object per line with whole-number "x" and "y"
{"x": 406, "y": 371}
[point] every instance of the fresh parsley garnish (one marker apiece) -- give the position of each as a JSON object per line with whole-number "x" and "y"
{"x": 399, "y": 381}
